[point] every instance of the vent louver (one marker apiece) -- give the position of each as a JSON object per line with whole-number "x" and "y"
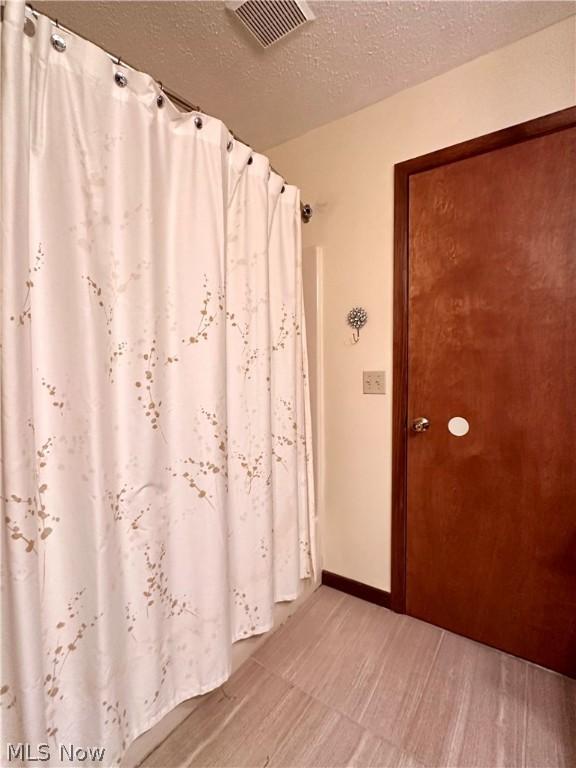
{"x": 271, "y": 20}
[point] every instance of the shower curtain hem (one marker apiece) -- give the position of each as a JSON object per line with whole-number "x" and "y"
{"x": 181, "y": 698}
{"x": 256, "y": 632}
{"x": 175, "y": 702}
{"x": 289, "y": 598}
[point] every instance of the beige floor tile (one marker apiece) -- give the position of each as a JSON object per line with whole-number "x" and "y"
{"x": 289, "y": 647}
{"x": 315, "y": 735}
{"x": 550, "y": 720}
{"x": 301, "y": 731}
{"x": 387, "y": 755}
{"x": 259, "y": 720}
{"x": 224, "y": 720}
{"x": 343, "y": 668}
{"x": 472, "y": 709}
{"x": 334, "y": 654}
{"x": 404, "y": 666}
{"x": 345, "y": 683}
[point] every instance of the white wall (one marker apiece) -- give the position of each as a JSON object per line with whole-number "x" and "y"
{"x": 345, "y": 169}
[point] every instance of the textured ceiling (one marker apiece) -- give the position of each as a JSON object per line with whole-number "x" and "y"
{"x": 352, "y": 55}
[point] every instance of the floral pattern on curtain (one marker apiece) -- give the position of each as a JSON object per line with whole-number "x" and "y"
{"x": 156, "y": 477}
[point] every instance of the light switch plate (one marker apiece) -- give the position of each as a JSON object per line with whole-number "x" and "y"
{"x": 374, "y": 382}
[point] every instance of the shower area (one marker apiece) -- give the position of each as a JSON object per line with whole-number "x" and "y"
{"x": 157, "y": 470}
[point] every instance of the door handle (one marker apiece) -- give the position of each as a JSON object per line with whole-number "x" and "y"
{"x": 421, "y": 424}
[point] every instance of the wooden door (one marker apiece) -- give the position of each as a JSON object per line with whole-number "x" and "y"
{"x": 489, "y": 284}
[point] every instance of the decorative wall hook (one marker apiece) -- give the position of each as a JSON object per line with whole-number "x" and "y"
{"x": 357, "y": 318}
{"x": 306, "y": 211}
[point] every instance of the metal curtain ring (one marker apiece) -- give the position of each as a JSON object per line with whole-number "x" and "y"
{"x": 58, "y": 42}
{"x": 120, "y": 79}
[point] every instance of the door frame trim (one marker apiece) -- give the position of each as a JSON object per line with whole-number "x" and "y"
{"x": 515, "y": 134}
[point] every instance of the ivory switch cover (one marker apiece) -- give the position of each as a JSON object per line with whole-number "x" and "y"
{"x": 374, "y": 382}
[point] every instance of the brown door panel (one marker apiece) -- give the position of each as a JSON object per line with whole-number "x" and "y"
{"x": 491, "y": 516}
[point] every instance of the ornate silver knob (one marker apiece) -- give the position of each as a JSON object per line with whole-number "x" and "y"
{"x": 421, "y": 424}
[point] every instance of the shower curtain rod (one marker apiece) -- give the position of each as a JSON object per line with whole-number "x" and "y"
{"x": 306, "y": 210}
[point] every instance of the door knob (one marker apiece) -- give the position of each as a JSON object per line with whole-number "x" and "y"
{"x": 421, "y": 424}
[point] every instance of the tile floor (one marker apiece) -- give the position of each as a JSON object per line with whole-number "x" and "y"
{"x": 346, "y": 683}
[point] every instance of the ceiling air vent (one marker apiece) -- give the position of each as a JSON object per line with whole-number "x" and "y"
{"x": 271, "y": 20}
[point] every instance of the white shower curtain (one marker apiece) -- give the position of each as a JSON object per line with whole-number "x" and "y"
{"x": 155, "y": 433}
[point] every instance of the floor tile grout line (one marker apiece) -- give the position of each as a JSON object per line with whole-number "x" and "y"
{"x": 253, "y": 658}
{"x": 218, "y": 730}
{"x": 344, "y": 714}
{"x": 345, "y": 600}
{"x": 389, "y": 639}
{"x": 363, "y": 728}
{"x": 149, "y": 754}
{"x": 328, "y": 617}
{"x": 253, "y": 693}
{"x": 173, "y": 733}
{"x": 364, "y": 670}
